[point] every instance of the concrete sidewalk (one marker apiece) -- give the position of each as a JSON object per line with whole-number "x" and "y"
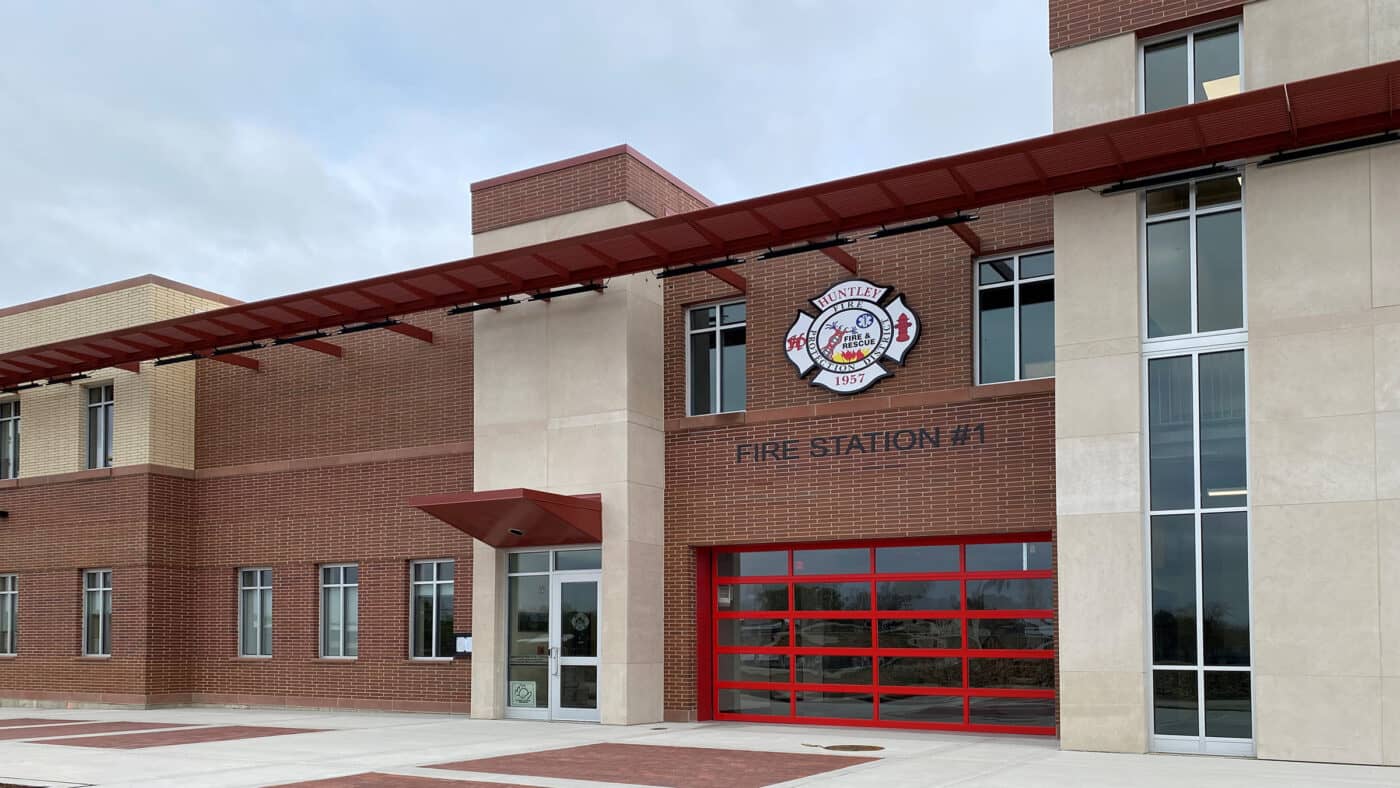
{"x": 404, "y": 744}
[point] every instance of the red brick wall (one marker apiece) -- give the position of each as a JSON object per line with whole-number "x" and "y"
{"x": 1074, "y": 22}
{"x": 589, "y": 184}
{"x": 389, "y": 391}
{"x": 1004, "y": 484}
{"x": 53, "y": 533}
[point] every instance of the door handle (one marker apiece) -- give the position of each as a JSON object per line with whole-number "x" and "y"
{"x": 554, "y": 660}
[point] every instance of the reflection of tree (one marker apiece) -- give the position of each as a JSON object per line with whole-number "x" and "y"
{"x": 1174, "y": 636}
{"x": 833, "y": 596}
{"x": 1226, "y": 636}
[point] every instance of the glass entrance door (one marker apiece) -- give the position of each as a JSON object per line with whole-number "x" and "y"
{"x": 573, "y": 686}
{"x": 552, "y": 633}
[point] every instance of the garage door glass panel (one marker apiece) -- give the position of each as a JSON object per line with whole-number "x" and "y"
{"x": 832, "y": 596}
{"x": 924, "y": 559}
{"x": 836, "y": 705}
{"x": 754, "y": 701}
{"x": 1011, "y": 673}
{"x": 1017, "y": 634}
{"x": 753, "y": 564}
{"x": 752, "y": 596}
{"x": 937, "y": 633}
{"x": 834, "y": 633}
{"x": 922, "y": 708}
{"x": 754, "y": 667}
{"x": 1009, "y": 594}
{"x": 1012, "y": 711}
{"x": 921, "y": 671}
{"x": 920, "y": 595}
{"x": 827, "y": 669}
{"x": 831, "y": 562}
{"x": 767, "y": 632}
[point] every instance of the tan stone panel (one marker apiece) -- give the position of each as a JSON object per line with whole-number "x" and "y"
{"x": 1286, "y": 40}
{"x": 645, "y": 347}
{"x": 1096, "y": 268}
{"x": 1299, "y": 376}
{"x": 586, "y": 355}
{"x": 1388, "y": 454}
{"x": 1098, "y": 396}
{"x": 1095, "y": 82}
{"x": 555, "y": 227}
{"x": 1387, "y": 362}
{"x": 1385, "y": 208}
{"x": 1308, "y": 239}
{"x": 1388, "y": 521}
{"x": 509, "y": 352}
{"x": 1390, "y": 719}
{"x": 1315, "y": 575}
{"x": 588, "y": 455}
{"x": 488, "y": 632}
{"x": 1318, "y": 718}
{"x": 510, "y": 455}
{"x": 1098, "y": 474}
{"x": 1385, "y": 31}
{"x": 1103, "y": 711}
{"x": 1101, "y": 582}
{"x": 1313, "y": 460}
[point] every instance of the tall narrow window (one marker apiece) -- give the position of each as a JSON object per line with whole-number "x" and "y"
{"x": 716, "y": 347}
{"x": 431, "y": 624}
{"x": 340, "y": 610}
{"x": 1198, "y": 66}
{"x": 9, "y": 439}
{"x": 1016, "y": 317}
{"x": 99, "y": 426}
{"x": 255, "y": 613}
{"x": 9, "y": 614}
{"x": 1199, "y": 536}
{"x": 97, "y": 613}
{"x": 1195, "y": 258}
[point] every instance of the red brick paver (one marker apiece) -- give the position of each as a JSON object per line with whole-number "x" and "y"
{"x": 136, "y": 741}
{"x": 19, "y": 722}
{"x": 82, "y": 728}
{"x": 381, "y": 780}
{"x": 679, "y": 767}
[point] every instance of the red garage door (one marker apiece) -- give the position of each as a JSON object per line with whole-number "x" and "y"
{"x": 940, "y": 634}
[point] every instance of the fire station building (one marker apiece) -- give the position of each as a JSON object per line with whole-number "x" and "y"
{"x": 1094, "y": 435}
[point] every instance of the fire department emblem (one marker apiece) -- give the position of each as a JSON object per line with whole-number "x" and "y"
{"x": 850, "y": 335}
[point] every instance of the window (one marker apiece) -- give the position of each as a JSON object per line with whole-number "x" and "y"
{"x": 97, "y": 613}
{"x": 1194, "y": 239}
{"x": 9, "y": 439}
{"x": 99, "y": 426}
{"x": 1016, "y": 317}
{"x": 9, "y": 614}
{"x": 1185, "y": 69}
{"x": 1198, "y": 531}
{"x": 430, "y": 623}
{"x": 340, "y": 611}
{"x": 255, "y": 613}
{"x": 715, "y": 353}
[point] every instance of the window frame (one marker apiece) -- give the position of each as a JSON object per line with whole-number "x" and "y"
{"x": 436, "y": 581}
{"x": 717, "y": 391}
{"x": 1015, "y": 285}
{"x": 9, "y": 597}
{"x": 1189, "y": 34}
{"x": 98, "y": 445}
{"x": 258, "y": 587}
{"x": 321, "y": 586}
{"x": 1193, "y": 339}
{"x": 10, "y": 431}
{"x": 105, "y": 614}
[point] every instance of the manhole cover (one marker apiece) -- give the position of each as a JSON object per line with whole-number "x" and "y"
{"x": 852, "y": 747}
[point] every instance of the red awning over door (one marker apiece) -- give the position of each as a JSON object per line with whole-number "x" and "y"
{"x": 519, "y": 517}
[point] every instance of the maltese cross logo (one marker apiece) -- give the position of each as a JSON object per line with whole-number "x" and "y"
{"x": 850, "y": 335}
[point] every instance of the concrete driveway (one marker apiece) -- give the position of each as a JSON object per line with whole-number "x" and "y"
{"x": 253, "y": 747}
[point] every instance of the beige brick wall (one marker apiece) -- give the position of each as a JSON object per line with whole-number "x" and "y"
{"x": 154, "y": 410}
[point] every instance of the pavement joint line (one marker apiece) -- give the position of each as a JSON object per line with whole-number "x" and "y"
{"x": 520, "y": 779}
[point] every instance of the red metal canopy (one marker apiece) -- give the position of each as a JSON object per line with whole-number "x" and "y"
{"x": 1259, "y": 122}
{"x": 519, "y": 517}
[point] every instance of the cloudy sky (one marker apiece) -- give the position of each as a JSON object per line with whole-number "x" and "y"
{"x": 258, "y": 148}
